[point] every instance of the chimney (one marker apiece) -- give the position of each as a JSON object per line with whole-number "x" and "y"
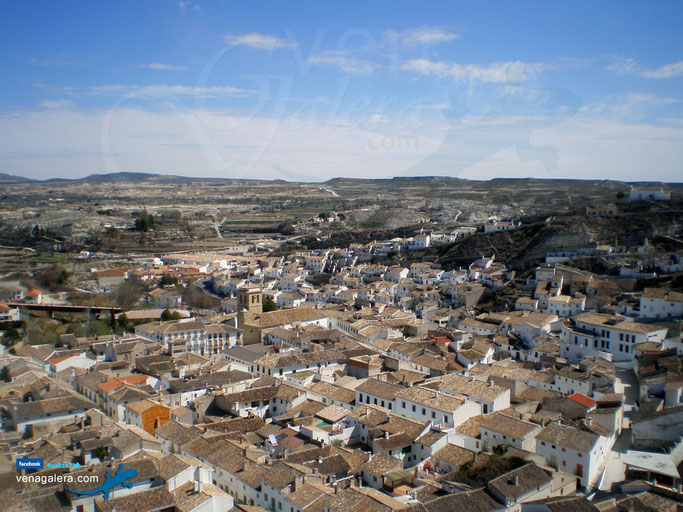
{"x": 386, "y": 435}
{"x": 515, "y": 480}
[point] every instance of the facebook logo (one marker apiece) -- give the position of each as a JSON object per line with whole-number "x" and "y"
{"x": 29, "y": 463}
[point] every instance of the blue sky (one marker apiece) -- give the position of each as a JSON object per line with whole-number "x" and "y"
{"x": 310, "y": 91}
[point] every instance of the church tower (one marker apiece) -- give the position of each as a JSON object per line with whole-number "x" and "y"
{"x": 249, "y": 306}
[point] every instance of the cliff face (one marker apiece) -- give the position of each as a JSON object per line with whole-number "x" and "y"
{"x": 529, "y": 245}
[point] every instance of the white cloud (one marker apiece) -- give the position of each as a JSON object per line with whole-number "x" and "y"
{"x": 257, "y": 41}
{"x": 163, "y": 91}
{"x": 163, "y": 67}
{"x": 421, "y": 35}
{"x": 673, "y": 70}
{"x": 499, "y": 72}
{"x": 635, "y": 106}
{"x": 344, "y": 62}
{"x": 628, "y": 66}
{"x": 56, "y": 104}
{"x": 200, "y": 142}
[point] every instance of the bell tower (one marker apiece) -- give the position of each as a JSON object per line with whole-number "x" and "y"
{"x": 249, "y": 306}
{"x": 250, "y": 299}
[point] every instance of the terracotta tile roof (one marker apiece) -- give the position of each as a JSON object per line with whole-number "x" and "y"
{"x": 582, "y": 400}
{"x": 116, "y": 382}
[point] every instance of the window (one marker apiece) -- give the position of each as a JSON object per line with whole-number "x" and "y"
{"x": 433, "y": 414}
{"x": 403, "y": 404}
{"x": 424, "y": 411}
{"x": 414, "y": 408}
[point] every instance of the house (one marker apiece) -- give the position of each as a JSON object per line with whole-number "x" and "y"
{"x": 147, "y": 415}
{"x": 603, "y": 210}
{"x": 190, "y": 336}
{"x": 49, "y": 410}
{"x": 572, "y": 450}
{"x": 530, "y": 326}
{"x": 165, "y": 299}
{"x": 502, "y": 429}
{"x": 566, "y": 305}
{"x": 424, "y": 405}
{"x": 377, "y": 392}
{"x": 33, "y": 296}
{"x": 109, "y": 279}
{"x": 292, "y": 361}
{"x": 649, "y": 193}
{"x": 450, "y": 458}
{"x": 9, "y": 314}
{"x": 396, "y": 274}
{"x": 363, "y": 498}
{"x": 606, "y": 336}
{"x": 379, "y": 465}
{"x": 528, "y": 483}
{"x": 660, "y": 303}
{"x": 61, "y": 363}
{"x": 495, "y": 226}
{"x": 492, "y": 398}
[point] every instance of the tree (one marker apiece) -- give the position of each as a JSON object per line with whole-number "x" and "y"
{"x": 269, "y": 305}
{"x": 195, "y": 297}
{"x": 324, "y": 215}
{"x": 10, "y": 337}
{"x": 99, "y": 328}
{"x": 113, "y": 323}
{"x": 101, "y": 452}
{"x": 128, "y": 293}
{"x": 63, "y": 277}
{"x": 168, "y": 280}
{"x": 144, "y": 222}
{"x": 341, "y": 216}
{"x": 167, "y": 315}
{"x": 124, "y": 323}
{"x": 620, "y": 195}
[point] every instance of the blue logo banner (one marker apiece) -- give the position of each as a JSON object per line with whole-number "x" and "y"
{"x": 30, "y": 464}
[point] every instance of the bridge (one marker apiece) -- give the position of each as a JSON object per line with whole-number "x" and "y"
{"x": 63, "y": 308}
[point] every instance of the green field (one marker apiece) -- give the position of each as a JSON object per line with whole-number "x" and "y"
{"x": 47, "y": 258}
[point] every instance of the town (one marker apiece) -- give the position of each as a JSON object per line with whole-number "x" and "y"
{"x": 381, "y": 375}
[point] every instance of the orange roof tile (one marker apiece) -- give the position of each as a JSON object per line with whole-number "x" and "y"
{"x": 116, "y": 382}
{"x": 582, "y": 400}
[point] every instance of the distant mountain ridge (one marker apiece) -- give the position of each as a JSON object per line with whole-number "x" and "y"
{"x": 139, "y": 177}
{"x": 10, "y": 178}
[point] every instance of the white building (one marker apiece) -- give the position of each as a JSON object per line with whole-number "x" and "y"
{"x": 500, "y": 429}
{"x": 574, "y": 451}
{"x": 424, "y": 405}
{"x": 649, "y": 193}
{"x": 496, "y": 226}
{"x": 8, "y": 314}
{"x": 659, "y": 303}
{"x": 598, "y": 334}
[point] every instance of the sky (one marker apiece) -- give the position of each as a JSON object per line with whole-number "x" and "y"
{"x": 308, "y": 91}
